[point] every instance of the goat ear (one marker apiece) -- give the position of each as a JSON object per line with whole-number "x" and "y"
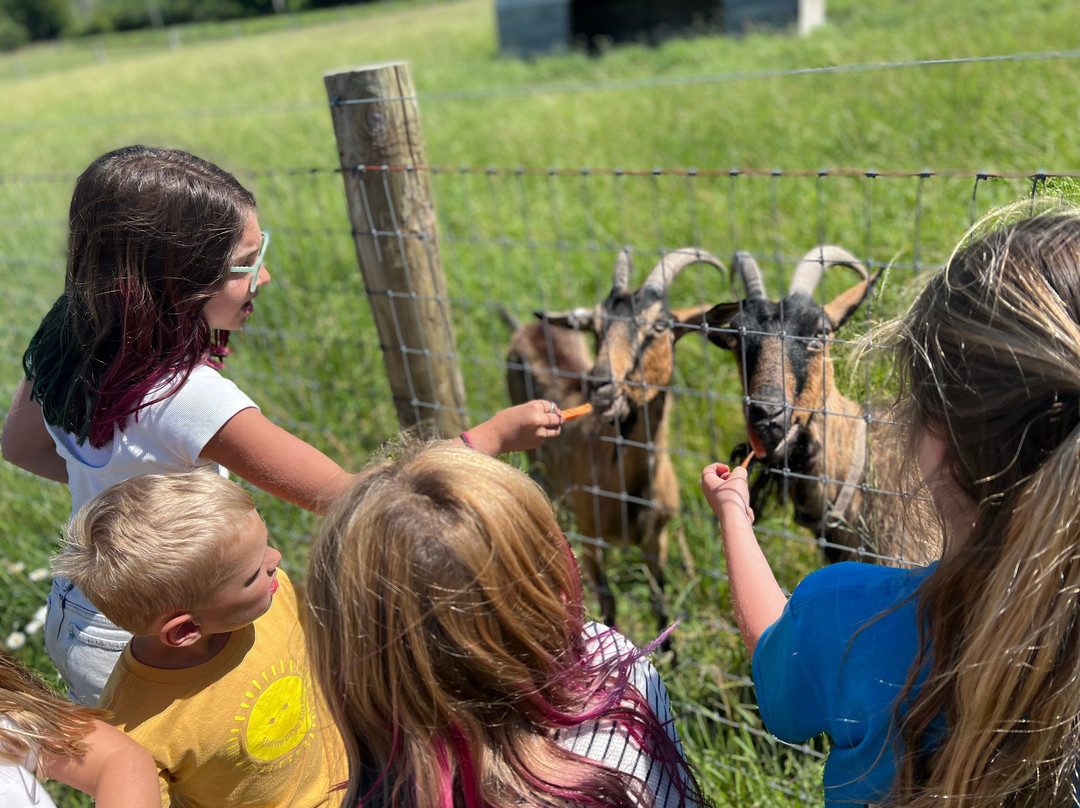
{"x": 578, "y": 319}
{"x": 718, "y": 317}
{"x": 689, "y": 320}
{"x": 840, "y": 308}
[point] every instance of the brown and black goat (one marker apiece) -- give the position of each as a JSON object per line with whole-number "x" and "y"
{"x": 837, "y": 460}
{"x": 611, "y": 468}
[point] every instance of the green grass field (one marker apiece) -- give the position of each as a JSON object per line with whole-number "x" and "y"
{"x": 251, "y": 98}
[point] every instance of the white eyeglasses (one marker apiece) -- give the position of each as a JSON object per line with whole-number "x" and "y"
{"x": 254, "y": 268}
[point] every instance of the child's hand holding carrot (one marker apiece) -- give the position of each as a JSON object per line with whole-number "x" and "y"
{"x": 727, "y": 492}
{"x": 519, "y": 428}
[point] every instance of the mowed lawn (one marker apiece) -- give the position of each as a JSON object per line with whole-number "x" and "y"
{"x": 736, "y": 130}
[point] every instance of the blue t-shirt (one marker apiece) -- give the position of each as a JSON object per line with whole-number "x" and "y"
{"x": 815, "y": 672}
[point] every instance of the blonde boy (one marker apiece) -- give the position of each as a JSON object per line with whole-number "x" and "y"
{"x": 215, "y": 680}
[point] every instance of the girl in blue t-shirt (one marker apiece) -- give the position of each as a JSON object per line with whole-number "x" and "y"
{"x": 956, "y": 684}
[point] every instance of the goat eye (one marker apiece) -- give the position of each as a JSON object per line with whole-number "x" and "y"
{"x": 815, "y": 345}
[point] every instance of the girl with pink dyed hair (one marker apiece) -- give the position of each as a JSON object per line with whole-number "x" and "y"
{"x": 447, "y": 631}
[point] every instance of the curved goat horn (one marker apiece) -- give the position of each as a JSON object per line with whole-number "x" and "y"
{"x": 809, "y": 270}
{"x": 623, "y": 264}
{"x": 749, "y": 273}
{"x": 674, "y": 262}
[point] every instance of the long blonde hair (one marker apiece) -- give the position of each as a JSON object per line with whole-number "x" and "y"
{"x": 446, "y": 632}
{"x": 990, "y": 364}
{"x": 44, "y": 722}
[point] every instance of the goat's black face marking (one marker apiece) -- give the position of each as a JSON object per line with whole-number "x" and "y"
{"x": 776, "y": 344}
{"x": 802, "y": 327}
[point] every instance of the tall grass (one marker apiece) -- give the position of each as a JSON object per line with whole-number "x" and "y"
{"x": 252, "y": 99}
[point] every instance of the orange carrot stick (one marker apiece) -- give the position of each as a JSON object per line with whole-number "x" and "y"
{"x": 576, "y": 412}
{"x": 746, "y": 460}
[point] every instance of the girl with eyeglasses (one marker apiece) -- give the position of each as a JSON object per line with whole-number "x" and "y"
{"x": 165, "y": 259}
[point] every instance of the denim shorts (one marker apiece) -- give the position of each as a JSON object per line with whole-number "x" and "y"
{"x": 82, "y": 643}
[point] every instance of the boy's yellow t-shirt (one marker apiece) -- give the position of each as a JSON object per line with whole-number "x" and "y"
{"x": 246, "y": 728}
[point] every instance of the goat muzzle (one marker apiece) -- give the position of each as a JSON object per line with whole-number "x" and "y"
{"x": 773, "y": 439}
{"x": 607, "y": 402}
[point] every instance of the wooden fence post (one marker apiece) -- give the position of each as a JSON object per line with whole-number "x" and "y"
{"x": 377, "y": 126}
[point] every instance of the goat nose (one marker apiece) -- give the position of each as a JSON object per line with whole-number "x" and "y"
{"x": 601, "y": 394}
{"x": 763, "y": 412}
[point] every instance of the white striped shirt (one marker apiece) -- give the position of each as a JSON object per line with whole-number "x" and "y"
{"x": 609, "y": 742}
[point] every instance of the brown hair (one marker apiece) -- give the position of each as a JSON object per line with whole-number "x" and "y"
{"x": 152, "y": 233}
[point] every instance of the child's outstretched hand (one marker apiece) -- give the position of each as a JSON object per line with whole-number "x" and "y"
{"x": 518, "y": 428}
{"x": 727, "y": 492}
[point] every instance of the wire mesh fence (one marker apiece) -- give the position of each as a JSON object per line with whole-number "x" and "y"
{"x": 544, "y": 236}
{"x": 516, "y": 241}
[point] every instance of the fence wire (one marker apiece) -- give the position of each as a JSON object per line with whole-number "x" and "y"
{"x": 516, "y": 241}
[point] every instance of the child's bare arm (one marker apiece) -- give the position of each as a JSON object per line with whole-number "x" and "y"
{"x": 273, "y": 459}
{"x": 755, "y": 595}
{"x": 278, "y": 462}
{"x": 115, "y": 770}
{"x": 25, "y": 441}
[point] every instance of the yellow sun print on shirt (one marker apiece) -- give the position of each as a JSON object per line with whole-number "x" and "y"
{"x": 276, "y": 723}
